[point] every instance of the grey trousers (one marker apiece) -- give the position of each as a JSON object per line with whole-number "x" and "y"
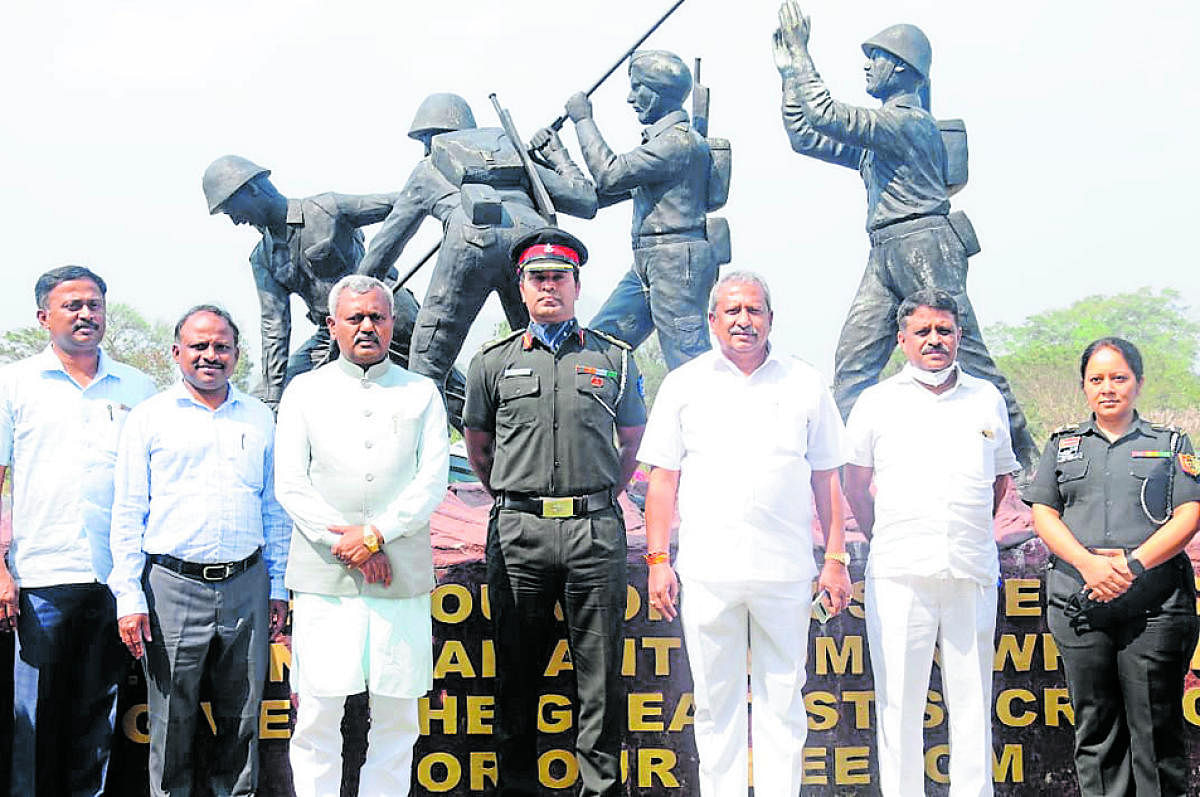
{"x": 213, "y": 633}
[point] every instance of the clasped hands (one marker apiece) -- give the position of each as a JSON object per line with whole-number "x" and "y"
{"x": 1106, "y": 574}
{"x": 351, "y": 551}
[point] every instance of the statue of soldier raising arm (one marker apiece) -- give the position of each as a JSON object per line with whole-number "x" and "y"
{"x": 915, "y": 242}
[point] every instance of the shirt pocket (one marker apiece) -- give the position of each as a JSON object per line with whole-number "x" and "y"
{"x": 1071, "y": 477}
{"x": 518, "y": 400}
{"x": 597, "y": 393}
{"x": 243, "y": 451}
{"x": 1153, "y": 483}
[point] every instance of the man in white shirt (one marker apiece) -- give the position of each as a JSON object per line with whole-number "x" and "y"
{"x": 936, "y": 441}
{"x": 61, "y": 412}
{"x": 361, "y": 462}
{"x": 199, "y": 548}
{"x": 745, "y": 534}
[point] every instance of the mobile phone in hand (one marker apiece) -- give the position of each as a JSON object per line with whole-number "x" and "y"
{"x": 819, "y": 612}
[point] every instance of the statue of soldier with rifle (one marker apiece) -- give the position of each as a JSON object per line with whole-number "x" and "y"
{"x": 911, "y": 164}
{"x": 674, "y": 178}
{"x": 481, "y": 184}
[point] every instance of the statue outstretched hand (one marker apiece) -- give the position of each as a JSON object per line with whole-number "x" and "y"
{"x": 579, "y": 107}
{"x": 790, "y": 41}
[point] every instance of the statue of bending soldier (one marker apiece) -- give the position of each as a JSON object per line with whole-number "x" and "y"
{"x": 473, "y": 181}
{"x": 667, "y": 177}
{"x": 307, "y": 245}
{"x": 915, "y": 241}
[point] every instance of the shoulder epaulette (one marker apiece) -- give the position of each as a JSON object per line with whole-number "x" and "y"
{"x": 491, "y": 344}
{"x": 1166, "y": 427}
{"x": 1065, "y": 428}
{"x": 611, "y": 339}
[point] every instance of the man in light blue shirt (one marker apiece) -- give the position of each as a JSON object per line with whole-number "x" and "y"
{"x": 199, "y": 548}
{"x": 61, "y": 412}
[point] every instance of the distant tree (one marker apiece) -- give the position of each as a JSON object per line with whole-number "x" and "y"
{"x": 653, "y": 366}
{"x": 129, "y": 337}
{"x": 1040, "y": 356}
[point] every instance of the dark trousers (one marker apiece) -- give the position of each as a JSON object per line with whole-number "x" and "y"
{"x": 928, "y": 257}
{"x": 667, "y": 289}
{"x": 531, "y": 563}
{"x": 1126, "y": 685}
{"x": 68, "y": 659}
{"x": 212, "y": 633}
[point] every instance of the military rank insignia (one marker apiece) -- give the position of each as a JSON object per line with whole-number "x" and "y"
{"x": 1189, "y": 464}
{"x": 598, "y": 374}
{"x": 1068, "y": 448}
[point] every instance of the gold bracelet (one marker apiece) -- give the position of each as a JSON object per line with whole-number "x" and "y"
{"x": 656, "y": 557}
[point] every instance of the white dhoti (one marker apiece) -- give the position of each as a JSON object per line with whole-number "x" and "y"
{"x": 906, "y": 617}
{"x": 717, "y": 620}
{"x": 342, "y": 646}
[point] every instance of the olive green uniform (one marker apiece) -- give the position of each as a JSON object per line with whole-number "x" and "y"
{"x": 554, "y": 416}
{"x": 1125, "y": 661}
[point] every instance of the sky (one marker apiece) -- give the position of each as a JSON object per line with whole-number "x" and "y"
{"x": 1081, "y": 121}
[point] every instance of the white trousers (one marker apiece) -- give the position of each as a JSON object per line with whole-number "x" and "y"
{"x": 718, "y": 619}
{"x": 316, "y": 748}
{"x": 906, "y": 617}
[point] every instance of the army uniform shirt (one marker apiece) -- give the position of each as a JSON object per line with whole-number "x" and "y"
{"x": 1113, "y": 495}
{"x": 553, "y": 413}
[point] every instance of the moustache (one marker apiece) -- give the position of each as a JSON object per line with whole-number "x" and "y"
{"x": 366, "y": 337}
{"x": 85, "y": 325}
{"x": 935, "y": 347}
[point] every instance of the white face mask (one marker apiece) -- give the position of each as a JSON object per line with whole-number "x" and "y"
{"x": 931, "y": 378}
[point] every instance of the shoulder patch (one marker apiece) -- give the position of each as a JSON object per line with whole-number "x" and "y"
{"x": 1065, "y": 429}
{"x": 491, "y": 344}
{"x": 611, "y": 339}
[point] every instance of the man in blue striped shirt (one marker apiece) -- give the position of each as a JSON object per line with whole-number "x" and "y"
{"x": 199, "y": 548}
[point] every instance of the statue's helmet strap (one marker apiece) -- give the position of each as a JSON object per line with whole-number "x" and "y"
{"x": 440, "y": 113}
{"x": 906, "y": 42}
{"x": 226, "y": 175}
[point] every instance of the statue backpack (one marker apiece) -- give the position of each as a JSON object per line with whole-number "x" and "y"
{"x": 719, "y": 171}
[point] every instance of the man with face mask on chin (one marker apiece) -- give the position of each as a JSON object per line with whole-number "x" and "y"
{"x": 362, "y": 460}
{"x": 916, "y": 242}
{"x": 935, "y": 440}
{"x": 674, "y": 266}
{"x": 199, "y": 549}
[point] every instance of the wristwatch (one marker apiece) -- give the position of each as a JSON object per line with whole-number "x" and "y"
{"x": 1135, "y": 566}
{"x": 839, "y": 556}
{"x": 370, "y": 539}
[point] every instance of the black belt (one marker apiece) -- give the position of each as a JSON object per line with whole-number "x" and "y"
{"x": 222, "y": 571}
{"x": 566, "y": 506}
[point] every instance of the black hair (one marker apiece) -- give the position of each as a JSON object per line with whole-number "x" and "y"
{"x": 57, "y": 276}
{"x": 1133, "y": 357}
{"x": 932, "y": 298}
{"x": 207, "y": 308}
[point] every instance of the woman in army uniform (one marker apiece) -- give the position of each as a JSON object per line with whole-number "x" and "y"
{"x": 1115, "y": 501}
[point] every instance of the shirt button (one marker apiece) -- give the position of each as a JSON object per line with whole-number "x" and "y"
{"x": 556, "y": 463}
{"x": 370, "y": 443}
{"x": 367, "y": 413}
{"x": 370, "y": 477}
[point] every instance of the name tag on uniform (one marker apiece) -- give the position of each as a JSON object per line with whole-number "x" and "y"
{"x": 1068, "y": 448}
{"x": 518, "y": 372}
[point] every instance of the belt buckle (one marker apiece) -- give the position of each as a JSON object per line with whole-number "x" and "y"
{"x": 558, "y": 507}
{"x": 215, "y": 572}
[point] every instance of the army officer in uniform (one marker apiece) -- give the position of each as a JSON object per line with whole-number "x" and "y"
{"x": 542, "y": 408}
{"x": 1115, "y": 501}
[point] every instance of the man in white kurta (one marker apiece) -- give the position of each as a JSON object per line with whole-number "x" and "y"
{"x": 936, "y": 441}
{"x": 746, "y": 438}
{"x": 361, "y": 463}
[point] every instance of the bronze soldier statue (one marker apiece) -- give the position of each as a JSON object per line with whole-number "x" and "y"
{"x": 307, "y": 245}
{"x": 916, "y": 242}
{"x": 474, "y": 182}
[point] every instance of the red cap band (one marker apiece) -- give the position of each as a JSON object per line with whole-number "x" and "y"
{"x": 549, "y": 252}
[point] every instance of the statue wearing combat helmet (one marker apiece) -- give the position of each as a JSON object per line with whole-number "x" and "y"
{"x": 307, "y": 245}
{"x": 474, "y": 182}
{"x": 911, "y": 164}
